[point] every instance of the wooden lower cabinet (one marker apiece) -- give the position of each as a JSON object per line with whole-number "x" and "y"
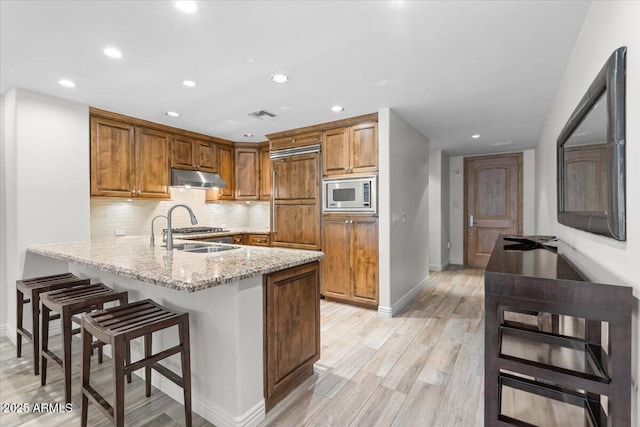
{"x": 291, "y": 329}
{"x": 257, "y": 240}
{"x": 350, "y": 266}
{"x": 237, "y": 239}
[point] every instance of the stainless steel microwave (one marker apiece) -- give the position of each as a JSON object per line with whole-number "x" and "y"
{"x": 350, "y": 194}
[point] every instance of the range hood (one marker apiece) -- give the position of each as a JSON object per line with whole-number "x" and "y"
{"x": 196, "y": 179}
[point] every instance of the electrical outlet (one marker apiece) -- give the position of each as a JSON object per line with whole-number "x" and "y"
{"x": 395, "y": 217}
{"x": 404, "y": 216}
{"x": 223, "y": 225}
{"x": 121, "y": 232}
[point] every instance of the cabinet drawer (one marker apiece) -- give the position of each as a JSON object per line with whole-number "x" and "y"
{"x": 258, "y": 240}
{"x": 238, "y": 239}
{"x": 295, "y": 141}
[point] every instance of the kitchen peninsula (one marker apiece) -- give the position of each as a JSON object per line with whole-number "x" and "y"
{"x": 254, "y": 315}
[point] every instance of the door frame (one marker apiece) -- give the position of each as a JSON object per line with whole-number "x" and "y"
{"x": 465, "y": 220}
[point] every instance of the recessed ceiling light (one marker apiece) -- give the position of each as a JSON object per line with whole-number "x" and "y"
{"x": 172, "y": 114}
{"x": 187, "y": 6}
{"x": 476, "y": 136}
{"x": 189, "y": 83}
{"x": 66, "y": 83}
{"x": 337, "y": 108}
{"x": 279, "y": 78}
{"x": 248, "y": 135}
{"x": 251, "y": 60}
{"x": 112, "y": 52}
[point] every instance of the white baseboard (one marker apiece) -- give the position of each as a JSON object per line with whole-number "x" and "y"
{"x": 3, "y": 330}
{"x": 319, "y": 369}
{"x": 403, "y": 302}
{"x": 439, "y": 267}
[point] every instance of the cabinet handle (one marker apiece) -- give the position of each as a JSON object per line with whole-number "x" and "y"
{"x": 133, "y": 192}
{"x": 346, "y": 221}
{"x": 346, "y": 168}
{"x": 350, "y": 221}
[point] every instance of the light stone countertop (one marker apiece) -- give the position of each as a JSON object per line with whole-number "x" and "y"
{"x": 184, "y": 271}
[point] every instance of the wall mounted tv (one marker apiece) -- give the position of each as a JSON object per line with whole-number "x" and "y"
{"x": 591, "y": 156}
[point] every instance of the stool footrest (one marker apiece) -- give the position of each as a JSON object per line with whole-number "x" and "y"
{"x": 152, "y": 359}
{"x": 52, "y": 356}
{"x": 95, "y": 397}
{"x": 168, "y": 374}
{"x": 24, "y": 333}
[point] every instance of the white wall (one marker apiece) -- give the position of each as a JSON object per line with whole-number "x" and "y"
{"x": 608, "y": 26}
{"x": 3, "y": 225}
{"x": 456, "y": 192}
{"x": 47, "y": 182}
{"x": 404, "y": 191}
{"x": 438, "y": 210}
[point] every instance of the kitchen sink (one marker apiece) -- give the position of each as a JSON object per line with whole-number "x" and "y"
{"x": 203, "y": 248}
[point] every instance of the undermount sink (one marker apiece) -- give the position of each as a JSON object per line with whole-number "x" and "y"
{"x": 203, "y": 248}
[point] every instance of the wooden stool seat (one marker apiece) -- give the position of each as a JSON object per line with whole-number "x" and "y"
{"x": 117, "y": 326}
{"x": 28, "y": 291}
{"x": 68, "y": 302}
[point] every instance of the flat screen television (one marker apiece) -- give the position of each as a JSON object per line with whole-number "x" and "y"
{"x": 591, "y": 156}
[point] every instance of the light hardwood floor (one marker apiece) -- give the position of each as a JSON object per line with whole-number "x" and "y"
{"x": 422, "y": 368}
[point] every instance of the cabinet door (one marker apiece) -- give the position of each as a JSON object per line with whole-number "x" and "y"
{"x": 152, "y": 163}
{"x": 364, "y": 148}
{"x": 296, "y": 178}
{"x": 225, "y": 170}
{"x": 295, "y": 141}
{"x": 258, "y": 239}
{"x": 206, "y": 157}
{"x": 247, "y": 176}
{"x": 296, "y": 226}
{"x": 336, "y": 265}
{"x": 335, "y": 151}
{"x": 265, "y": 173}
{"x": 182, "y": 156}
{"x": 112, "y": 158}
{"x": 364, "y": 259}
{"x": 292, "y": 329}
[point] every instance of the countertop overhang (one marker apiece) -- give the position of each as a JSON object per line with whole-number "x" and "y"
{"x": 183, "y": 271}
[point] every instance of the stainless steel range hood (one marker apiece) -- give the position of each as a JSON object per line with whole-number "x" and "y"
{"x": 196, "y": 179}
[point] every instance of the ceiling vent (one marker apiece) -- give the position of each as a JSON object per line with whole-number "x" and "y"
{"x": 262, "y": 115}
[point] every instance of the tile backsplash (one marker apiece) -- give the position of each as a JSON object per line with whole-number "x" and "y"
{"x": 109, "y": 215}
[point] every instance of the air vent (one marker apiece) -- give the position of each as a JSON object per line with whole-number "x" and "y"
{"x": 262, "y": 115}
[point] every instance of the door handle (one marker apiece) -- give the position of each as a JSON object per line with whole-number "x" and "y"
{"x": 471, "y": 223}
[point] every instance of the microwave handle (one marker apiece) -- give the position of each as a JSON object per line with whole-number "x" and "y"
{"x": 273, "y": 200}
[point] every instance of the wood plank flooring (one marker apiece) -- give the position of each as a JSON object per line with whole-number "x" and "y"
{"x": 422, "y": 368}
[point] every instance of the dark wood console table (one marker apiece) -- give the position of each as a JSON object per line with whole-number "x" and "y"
{"x": 582, "y": 364}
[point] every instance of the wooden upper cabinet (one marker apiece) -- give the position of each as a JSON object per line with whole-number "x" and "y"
{"x": 112, "y": 158}
{"x": 206, "y": 156}
{"x": 296, "y": 178}
{"x": 247, "y": 163}
{"x": 265, "y": 172}
{"x": 193, "y": 154}
{"x": 152, "y": 163}
{"x": 364, "y": 148}
{"x": 182, "y": 153}
{"x": 335, "y": 151}
{"x": 128, "y": 161}
{"x": 350, "y": 150}
{"x": 226, "y": 170}
{"x": 295, "y": 141}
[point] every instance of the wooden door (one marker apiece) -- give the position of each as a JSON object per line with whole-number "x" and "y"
{"x": 364, "y": 259}
{"x": 247, "y": 175}
{"x": 206, "y": 156}
{"x": 112, "y": 158}
{"x": 226, "y": 171}
{"x": 493, "y": 188}
{"x": 292, "y": 329}
{"x": 585, "y": 180}
{"x": 336, "y": 265}
{"x": 364, "y": 148}
{"x": 295, "y": 219}
{"x": 182, "y": 156}
{"x": 152, "y": 163}
{"x": 335, "y": 151}
{"x": 265, "y": 173}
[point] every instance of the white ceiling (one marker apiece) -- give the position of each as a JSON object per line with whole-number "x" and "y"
{"x": 450, "y": 68}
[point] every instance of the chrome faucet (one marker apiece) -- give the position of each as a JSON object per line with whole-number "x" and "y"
{"x": 194, "y": 221}
{"x": 152, "y": 242}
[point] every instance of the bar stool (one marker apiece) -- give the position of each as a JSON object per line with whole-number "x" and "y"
{"x": 118, "y": 326}
{"x": 28, "y": 291}
{"x": 69, "y": 302}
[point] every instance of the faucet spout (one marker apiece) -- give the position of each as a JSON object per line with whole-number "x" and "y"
{"x": 152, "y": 241}
{"x": 194, "y": 221}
